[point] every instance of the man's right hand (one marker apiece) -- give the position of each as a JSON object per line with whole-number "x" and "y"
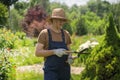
{"x": 60, "y": 52}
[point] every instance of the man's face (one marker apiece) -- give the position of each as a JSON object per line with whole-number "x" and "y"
{"x": 58, "y": 22}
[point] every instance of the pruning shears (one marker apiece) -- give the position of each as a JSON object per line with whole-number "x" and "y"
{"x": 83, "y": 51}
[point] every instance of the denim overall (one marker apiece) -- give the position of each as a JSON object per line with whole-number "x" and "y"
{"x": 56, "y": 68}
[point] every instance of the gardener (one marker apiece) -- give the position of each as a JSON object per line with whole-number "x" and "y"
{"x": 52, "y": 44}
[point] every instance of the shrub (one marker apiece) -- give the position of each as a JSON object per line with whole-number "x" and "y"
{"x": 7, "y": 39}
{"x": 103, "y": 63}
{"x": 11, "y": 40}
{"x": 7, "y": 65}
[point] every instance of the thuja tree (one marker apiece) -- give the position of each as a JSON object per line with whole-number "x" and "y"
{"x": 103, "y": 63}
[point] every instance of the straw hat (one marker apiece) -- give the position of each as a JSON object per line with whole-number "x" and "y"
{"x": 58, "y": 13}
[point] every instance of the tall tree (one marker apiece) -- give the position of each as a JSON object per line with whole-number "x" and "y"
{"x": 21, "y": 7}
{"x": 42, "y": 3}
{"x": 99, "y": 7}
{"x": 3, "y": 15}
{"x": 116, "y": 11}
{"x": 81, "y": 28}
{"x": 8, "y": 2}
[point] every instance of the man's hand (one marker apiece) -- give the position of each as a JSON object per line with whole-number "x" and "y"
{"x": 59, "y": 52}
{"x": 70, "y": 60}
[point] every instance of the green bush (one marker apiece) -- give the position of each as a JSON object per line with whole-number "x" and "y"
{"x": 11, "y": 40}
{"x": 26, "y": 56}
{"x": 7, "y": 39}
{"x": 7, "y": 65}
{"x": 103, "y": 63}
{"x": 3, "y": 14}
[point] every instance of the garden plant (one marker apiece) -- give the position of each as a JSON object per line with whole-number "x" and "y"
{"x": 103, "y": 63}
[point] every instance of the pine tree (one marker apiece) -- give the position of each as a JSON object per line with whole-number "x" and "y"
{"x": 103, "y": 63}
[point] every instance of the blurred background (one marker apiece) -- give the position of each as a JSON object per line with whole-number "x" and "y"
{"x": 20, "y": 25}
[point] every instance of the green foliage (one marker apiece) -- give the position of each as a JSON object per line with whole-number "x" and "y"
{"x": 99, "y": 7}
{"x": 8, "y": 2}
{"x": 7, "y": 39}
{"x": 111, "y": 36}
{"x": 87, "y": 24}
{"x": 11, "y": 59}
{"x": 43, "y": 3}
{"x": 3, "y": 14}
{"x": 21, "y": 7}
{"x": 103, "y": 63}
{"x": 67, "y": 27}
{"x": 94, "y": 24}
{"x": 15, "y": 50}
{"x": 83, "y": 9}
{"x": 73, "y": 24}
{"x": 56, "y": 5}
{"x": 11, "y": 40}
{"x": 81, "y": 28}
{"x": 75, "y": 77}
{"x": 115, "y": 9}
{"x": 25, "y": 56}
{"x": 29, "y": 76}
{"x": 7, "y": 65}
{"x": 19, "y": 44}
{"x": 15, "y": 20}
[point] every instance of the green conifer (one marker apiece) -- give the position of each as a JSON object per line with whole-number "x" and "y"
{"x": 104, "y": 61}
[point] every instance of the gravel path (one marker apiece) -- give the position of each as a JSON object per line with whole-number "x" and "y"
{"x": 38, "y": 68}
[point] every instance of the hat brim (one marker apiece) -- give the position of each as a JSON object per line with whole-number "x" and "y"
{"x": 61, "y": 18}
{"x": 56, "y": 17}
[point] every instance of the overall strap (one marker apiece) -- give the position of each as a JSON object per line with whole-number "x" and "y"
{"x": 49, "y": 35}
{"x": 63, "y": 36}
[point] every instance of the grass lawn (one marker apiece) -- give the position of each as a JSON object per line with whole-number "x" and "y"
{"x": 29, "y": 76}
{"x": 36, "y": 76}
